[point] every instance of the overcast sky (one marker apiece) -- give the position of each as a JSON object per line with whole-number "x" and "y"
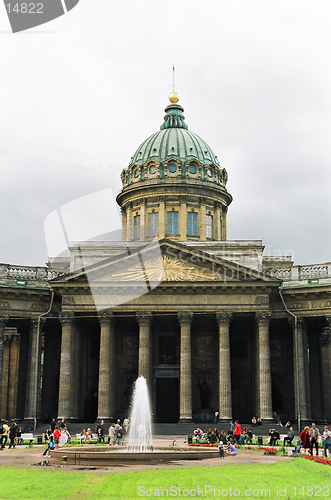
{"x": 79, "y": 95}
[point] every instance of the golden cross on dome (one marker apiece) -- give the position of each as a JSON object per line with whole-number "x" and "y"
{"x": 173, "y": 97}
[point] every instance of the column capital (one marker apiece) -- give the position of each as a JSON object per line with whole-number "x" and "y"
{"x": 328, "y": 321}
{"x": 262, "y": 317}
{"x": 33, "y": 323}
{"x": 185, "y": 318}
{"x": 67, "y": 318}
{"x": 325, "y": 339}
{"x": 106, "y": 318}
{"x": 224, "y": 317}
{"x": 16, "y": 338}
{"x": 144, "y": 318}
{"x": 301, "y": 322}
{"x": 7, "y": 338}
{"x": 3, "y": 321}
{"x": 325, "y": 336}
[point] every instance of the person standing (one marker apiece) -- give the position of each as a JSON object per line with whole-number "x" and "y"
{"x": 314, "y": 436}
{"x": 119, "y": 435}
{"x": 66, "y": 431}
{"x": 117, "y": 425}
{"x": 111, "y": 434}
{"x": 326, "y": 441}
{"x": 126, "y": 424}
{"x": 237, "y": 430}
{"x": 56, "y": 436}
{"x": 221, "y": 449}
{"x": 305, "y": 438}
{"x": 216, "y": 417}
{"x": 4, "y": 436}
{"x": 13, "y": 435}
{"x": 100, "y": 435}
{"x": 222, "y": 436}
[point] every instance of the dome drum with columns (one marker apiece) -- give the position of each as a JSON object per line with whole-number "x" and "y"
{"x": 174, "y": 186}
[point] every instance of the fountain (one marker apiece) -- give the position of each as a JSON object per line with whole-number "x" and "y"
{"x": 140, "y": 428}
{"x": 139, "y": 441}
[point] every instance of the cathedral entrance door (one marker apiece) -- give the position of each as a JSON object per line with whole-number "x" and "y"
{"x": 167, "y": 400}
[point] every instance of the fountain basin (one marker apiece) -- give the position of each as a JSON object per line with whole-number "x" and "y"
{"x": 123, "y": 457}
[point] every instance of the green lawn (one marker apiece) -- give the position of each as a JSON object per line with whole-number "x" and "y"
{"x": 252, "y": 481}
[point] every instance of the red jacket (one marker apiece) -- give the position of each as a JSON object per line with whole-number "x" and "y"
{"x": 57, "y": 433}
{"x": 237, "y": 429}
{"x": 305, "y": 438}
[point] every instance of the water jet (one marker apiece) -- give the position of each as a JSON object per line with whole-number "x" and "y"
{"x": 139, "y": 449}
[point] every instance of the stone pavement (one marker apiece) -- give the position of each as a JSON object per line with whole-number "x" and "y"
{"x": 23, "y": 456}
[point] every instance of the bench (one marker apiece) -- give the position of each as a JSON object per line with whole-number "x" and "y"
{"x": 27, "y": 436}
{"x": 80, "y": 437}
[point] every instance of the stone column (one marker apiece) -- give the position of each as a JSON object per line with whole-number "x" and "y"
{"x": 129, "y": 222}
{"x": 163, "y": 224}
{"x": 14, "y": 359}
{"x": 325, "y": 340}
{"x": 33, "y": 368}
{"x": 218, "y": 231}
{"x": 75, "y": 373}
{"x": 123, "y": 213}
{"x": 305, "y": 345}
{"x": 5, "y": 376}
{"x": 107, "y": 382}
{"x": 185, "y": 371}
{"x": 225, "y": 395}
{"x": 264, "y": 372}
{"x": 224, "y": 225}
{"x": 77, "y": 384}
{"x": 145, "y": 368}
{"x": 202, "y": 232}
{"x": 3, "y": 322}
{"x": 299, "y": 368}
{"x": 143, "y": 230}
{"x": 66, "y": 366}
{"x": 183, "y": 219}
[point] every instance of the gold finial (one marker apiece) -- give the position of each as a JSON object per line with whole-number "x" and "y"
{"x": 173, "y": 97}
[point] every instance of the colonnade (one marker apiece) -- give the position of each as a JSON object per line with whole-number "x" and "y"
{"x": 69, "y": 396}
{"x": 107, "y": 378}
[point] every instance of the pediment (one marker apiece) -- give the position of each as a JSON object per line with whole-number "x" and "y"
{"x": 162, "y": 261}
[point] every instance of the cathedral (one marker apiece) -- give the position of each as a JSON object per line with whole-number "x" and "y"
{"x": 212, "y": 324}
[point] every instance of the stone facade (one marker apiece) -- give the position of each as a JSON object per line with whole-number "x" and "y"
{"x": 211, "y": 324}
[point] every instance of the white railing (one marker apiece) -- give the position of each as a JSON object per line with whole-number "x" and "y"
{"x": 29, "y": 274}
{"x": 313, "y": 272}
{"x": 18, "y": 272}
{"x": 281, "y": 274}
{"x": 301, "y": 273}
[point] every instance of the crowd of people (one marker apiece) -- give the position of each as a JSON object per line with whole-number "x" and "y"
{"x": 226, "y": 441}
{"x": 311, "y": 437}
{"x": 236, "y": 435}
{"x": 115, "y": 432}
{"x": 308, "y": 439}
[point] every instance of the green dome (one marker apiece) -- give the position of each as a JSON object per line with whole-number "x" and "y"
{"x": 174, "y": 141}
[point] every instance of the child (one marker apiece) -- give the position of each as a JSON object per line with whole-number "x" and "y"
{"x": 221, "y": 449}
{"x": 50, "y": 446}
